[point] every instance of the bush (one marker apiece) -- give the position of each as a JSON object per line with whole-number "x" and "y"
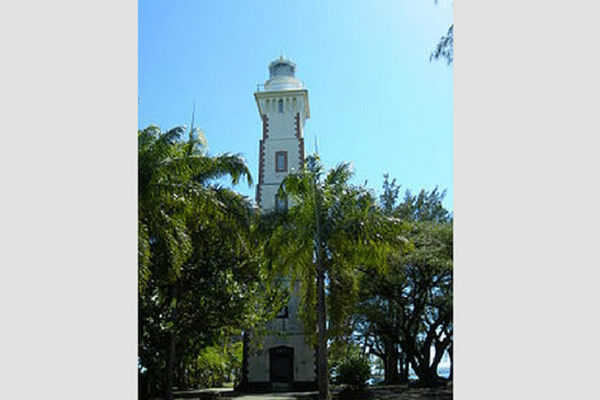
{"x": 354, "y": 372}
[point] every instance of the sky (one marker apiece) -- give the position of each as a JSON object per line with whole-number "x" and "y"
{"x": 375, "y": 98}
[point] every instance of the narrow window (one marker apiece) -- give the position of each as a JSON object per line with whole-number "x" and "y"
{"x": 281, "y": 204}
{"x": 280, "y": 106}
{"x": 284, "y": 313}
{"x": 281, "y": 161}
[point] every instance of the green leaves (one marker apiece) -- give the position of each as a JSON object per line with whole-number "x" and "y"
{"x": 354, "y": 372}
{"x": 339, "y": 225}
{"x": 173, "y": 189}
{"x": 410, "y": 303}
{"x": 199, "y": 271}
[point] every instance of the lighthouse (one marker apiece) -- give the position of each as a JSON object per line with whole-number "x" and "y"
{"x": 283, "y": 109}
{"x": 278, "y": 357}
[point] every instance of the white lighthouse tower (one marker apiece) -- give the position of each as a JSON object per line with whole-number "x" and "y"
{"x": 283, "y": 108}
{"x": 279, "y": 358}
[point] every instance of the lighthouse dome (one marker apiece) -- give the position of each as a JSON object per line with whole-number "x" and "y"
{"x": 282, "y": 76}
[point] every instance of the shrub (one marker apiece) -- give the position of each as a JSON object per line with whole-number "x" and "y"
{"x": 354, "y": 372}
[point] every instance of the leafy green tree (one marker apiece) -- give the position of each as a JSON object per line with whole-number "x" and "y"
{"x": 423, "y": 208}
{"x": 331, "y": 232}
{"x": 407, "y": 311}
{"x": 173, "y": 178}
{"x": 199, "y": 273}
{"x": 429, "y": 282}
{"x": 217, "y": 364}
{"x": 380, "y": 314}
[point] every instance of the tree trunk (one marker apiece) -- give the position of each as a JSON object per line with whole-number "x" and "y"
{"x": 451, "y": 364}
{"x": 245, "y": 355}
{"x": 171, "y": 352}
{"x": 434, "y": 364}
{"x": 403, "y": 368}
{"x": 322, "y": 371}
{"x": 170, "y": 362}
{"x": 391, "y": 364}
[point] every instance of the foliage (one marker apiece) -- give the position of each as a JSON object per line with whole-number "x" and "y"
{"x": 217, "y": 364}
{"x": 406, "y": 311}
{"x": 337, "y": 224}
{"x": 200, "y": 278}
{"x": 354, "y": 372}
{"x": 429, "y": 294}
{"x": 445, "y": 46}
{"x": 330, "y": 234}
{"x": 208, "y": 267}
{"x": 340, "y": 350}
{"x": 173, "y": 177}
{"x": 212, "y": 367}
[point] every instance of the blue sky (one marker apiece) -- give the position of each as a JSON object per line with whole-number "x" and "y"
{"x": 375, "y": 99}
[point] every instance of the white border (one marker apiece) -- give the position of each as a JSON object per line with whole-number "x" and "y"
{"x": 526, "y": 199}
{"x": 68, "y": 209}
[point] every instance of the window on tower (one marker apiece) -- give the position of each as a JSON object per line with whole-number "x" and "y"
{"x": 280, "y": 105}
{"x": 283, "y": 69}
{"x": 281, "y": 203}
{"x": 281, "y": 161}
{"x": 284, "y": 313}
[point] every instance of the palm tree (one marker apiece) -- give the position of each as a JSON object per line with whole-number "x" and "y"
{"x": 173, "y": 181}
{"x": 175, "y": 193}
{"x": 331, "y": 231}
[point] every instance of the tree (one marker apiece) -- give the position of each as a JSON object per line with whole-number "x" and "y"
{"x": 199, "y": 276}
{"x": 445, "y": 47}
{"x": 331, "y": 231}
{"x": 429, "y": 283}
{"x": 407, "y": 311}
{"x": 380, "y": 313}
{"x": 172, "y": 186}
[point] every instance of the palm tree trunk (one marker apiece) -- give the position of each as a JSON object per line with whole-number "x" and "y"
{"x": 243, "y": 385}
{"x": 171, "y": 352}
{"x": 170, "y": 365}
{"x": 322, "y": 371}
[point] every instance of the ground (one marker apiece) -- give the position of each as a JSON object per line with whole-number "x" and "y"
{"x": 389, "y": 392}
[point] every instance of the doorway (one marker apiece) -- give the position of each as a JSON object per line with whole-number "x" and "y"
{"x": 282, "y": 364}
